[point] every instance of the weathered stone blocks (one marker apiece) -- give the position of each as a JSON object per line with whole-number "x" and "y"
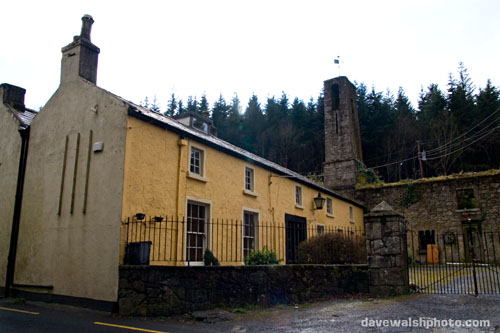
{"x": 186, "y": 289}
{"x": 387, "y": 253}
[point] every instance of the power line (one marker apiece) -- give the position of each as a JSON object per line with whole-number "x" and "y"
{"x": 485, "y": 135}
{"x": 455, "y": 139}
{"x": 443, "y": 149}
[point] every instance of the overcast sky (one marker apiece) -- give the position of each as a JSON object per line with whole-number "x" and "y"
{"x": 264, "y": 47}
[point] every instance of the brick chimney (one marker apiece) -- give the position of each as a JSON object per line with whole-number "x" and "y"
{"x": 80, "y": 57}
{"x": 12, "y": 96}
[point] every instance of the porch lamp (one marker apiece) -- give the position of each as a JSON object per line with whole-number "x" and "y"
{"x": 140, "y": 216}
{"x": 319, "y": 201}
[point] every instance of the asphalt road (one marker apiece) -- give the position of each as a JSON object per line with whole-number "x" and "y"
{"x": 335, "y": 315}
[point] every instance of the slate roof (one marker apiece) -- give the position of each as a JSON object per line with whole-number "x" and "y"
{"x": 169, "y": 123}
{"x": 24, "y": 117}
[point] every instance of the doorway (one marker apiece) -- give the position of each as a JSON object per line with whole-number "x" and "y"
{"x": 296, "y": 232}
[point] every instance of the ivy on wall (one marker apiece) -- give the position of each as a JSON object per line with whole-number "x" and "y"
{"x": 411, "y": 195}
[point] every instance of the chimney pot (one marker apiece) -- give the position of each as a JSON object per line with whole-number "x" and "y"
{"x": 87, "y": 22}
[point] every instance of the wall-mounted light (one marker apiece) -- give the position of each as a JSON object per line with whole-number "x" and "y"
{"x": 319, "y": 201}
{"x": 140, "y": 216}
{"x": 158, "y": 218}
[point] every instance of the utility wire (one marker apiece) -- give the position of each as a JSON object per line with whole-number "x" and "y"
{"x": 443, "y": 149}
{"x": 485, "y": 135}
{"x": 455, "y": 139}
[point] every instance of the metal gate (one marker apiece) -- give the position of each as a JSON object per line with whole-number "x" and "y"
{"x": 465, "y": 262}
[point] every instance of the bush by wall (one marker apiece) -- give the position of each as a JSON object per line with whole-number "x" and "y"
{"x": 264, "y": 257}
{"x": 333, "y": 249}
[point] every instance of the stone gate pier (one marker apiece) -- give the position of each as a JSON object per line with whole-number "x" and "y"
{"x": 387, "y": 252}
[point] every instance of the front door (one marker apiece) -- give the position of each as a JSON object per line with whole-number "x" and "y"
{"x": 196, "y": 232}
{"x": 473, "y": 246}
{"x": 296, "y": 232}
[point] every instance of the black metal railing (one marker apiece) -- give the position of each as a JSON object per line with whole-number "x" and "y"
{"x": 161, "y": 240}
{"x": 466, "y": 262}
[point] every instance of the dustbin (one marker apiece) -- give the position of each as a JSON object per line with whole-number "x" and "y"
{"x": 137, "y": 253}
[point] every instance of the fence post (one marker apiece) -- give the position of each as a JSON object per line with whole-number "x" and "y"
{"x": 387, "y": 251}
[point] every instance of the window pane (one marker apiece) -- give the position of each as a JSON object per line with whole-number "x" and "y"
{"x": 195, "y": 162}
{"x": 249, "y": 232}
{"x": 196, "y": 221}
{"x": 248, "y": 179}
{"x": 298, "y": 195}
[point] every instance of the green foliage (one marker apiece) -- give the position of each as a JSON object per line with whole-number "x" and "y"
{"x": 333, "y": 249}
{"x": 209, "y": 259}
{"x": 410, "y": 259}
{"x": 365, "y": 175}
{"x": 465, "y": 199}
{"x": 264, "y": 257}
{"x": 411, "y": 195}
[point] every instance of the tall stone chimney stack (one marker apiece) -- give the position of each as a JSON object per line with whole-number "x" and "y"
{"x": 80, "y": 57}
{"x": 342, "y": 136}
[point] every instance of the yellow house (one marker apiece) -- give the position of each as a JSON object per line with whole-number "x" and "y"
{"x": 104, "y": 174}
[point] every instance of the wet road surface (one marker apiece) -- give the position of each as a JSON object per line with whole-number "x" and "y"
{"x": 335, "y": 315}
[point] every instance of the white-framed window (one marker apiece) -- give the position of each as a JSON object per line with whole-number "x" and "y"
{"x": 298, "y": 196}
{"x": 197, "y": 218}
{"x": 351, "y": 214}
{"x": 197, "y": 158}
{"x": 196, "y": 161}
{"x": 249, "y": 179}
{"x": 250, "y": 231}
{"x": 320, "y": 229}
{"x": 329, "y": 207}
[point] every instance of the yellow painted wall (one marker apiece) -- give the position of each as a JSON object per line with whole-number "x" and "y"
{"x": 157, "y": 182}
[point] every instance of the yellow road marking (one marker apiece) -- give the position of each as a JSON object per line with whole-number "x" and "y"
{"x": 129, "y": 327}
{"x": 17, "y": 310}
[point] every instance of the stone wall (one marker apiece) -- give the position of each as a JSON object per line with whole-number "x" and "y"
{"x": 432, "y": 204}
{"x": 167, "y": 290}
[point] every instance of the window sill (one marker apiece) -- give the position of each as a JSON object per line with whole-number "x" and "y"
{"x": 197, "y": 177}
{"x": 330, "y": 215}
{"x": 351, "y": 221}
{"x": 299, "y": 206}
{"x": 250, "y": 193}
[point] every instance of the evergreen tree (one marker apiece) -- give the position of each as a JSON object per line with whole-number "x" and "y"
{"x": 145, "y": 103}
{"x": 220, "y": 113}
{"x": 233, "y": 133}
{"x": 461, "y": 98}
{"x": 437, "y": 125}
{"x": 203, "y": 104}
{"x": 154, "y": 106}
{"x": 171, "y": 106}
{"x": 253, "y": 121}
{"x": 488, "y": 105}
{"x": 192, "y": 105}
{"x": 181, "y": 107}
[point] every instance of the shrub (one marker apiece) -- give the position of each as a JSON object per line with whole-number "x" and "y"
{"x": 332, "y": 249}
{"x": 209, "y": 259}
{"x": 264, "y": 257}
